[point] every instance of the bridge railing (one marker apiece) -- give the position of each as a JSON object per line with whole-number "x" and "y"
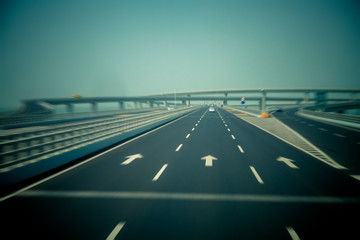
{"x": 337, "y": 118}
{"x": 7, "y": 122}
{"x": 40, "y": 144}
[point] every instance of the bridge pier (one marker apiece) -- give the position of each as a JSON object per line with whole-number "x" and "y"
{"x": 150, "y": 104}
{"x": 121, "y": 105}
{"x": 70, "y": 108}
{"x": 353, "y": 97}
{"x": 225, "y": 100}
{"x": 306, "y": 97}
{"x": 94, "y": 107}
{"x": 263, "y": 102}
{"x": 137, "y": 104}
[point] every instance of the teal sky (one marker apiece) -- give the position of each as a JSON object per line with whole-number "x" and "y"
{"x": 125, "y": 48}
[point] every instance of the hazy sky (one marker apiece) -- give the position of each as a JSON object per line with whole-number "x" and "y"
{"x": 126, "y": 48}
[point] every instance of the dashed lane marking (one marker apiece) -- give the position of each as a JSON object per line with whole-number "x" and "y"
{"x": 322, "y": 129}
{"x": 258, "y": 178}
{"x": 178, "y": 148}
{"x": 292, "y": 233}
{"x": 240, "y": 148}
{"x": 116, "y": 231}
{"x": 187, "y": 136}
{"x": 159, "y": 173}
{"x": 339, "y": 135}
{"x": 192, "y": 129}
{"x": 232, "y": 136}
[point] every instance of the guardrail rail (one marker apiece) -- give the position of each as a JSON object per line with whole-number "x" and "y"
{"x": 19, "y": 149}
{"x": 337, "y": 118}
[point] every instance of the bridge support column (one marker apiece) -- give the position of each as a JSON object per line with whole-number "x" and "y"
{"x": 263, "y": 102}
{"x": 150, "y": 104}
{"x": 137, "y": 105}
{"x": 121, "y": 105}
{"x": 165, "y": 104}
{"x": 306, "y": 97}
{"x": 70, "y": 108}
{"x": 225, "y": 100}
{"x": 353, "y": 97}
{"x": 94, "y": 106}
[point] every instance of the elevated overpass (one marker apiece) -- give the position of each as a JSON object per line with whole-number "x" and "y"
{"x": 260, "y": 97}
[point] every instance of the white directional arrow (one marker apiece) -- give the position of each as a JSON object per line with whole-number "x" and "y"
{"x": 131, "y": 158}
{"x": 208, "y": 160}
{"x": 287, "y": 161}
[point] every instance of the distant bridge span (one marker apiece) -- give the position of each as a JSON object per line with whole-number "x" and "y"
{"x": 262, "y": 96}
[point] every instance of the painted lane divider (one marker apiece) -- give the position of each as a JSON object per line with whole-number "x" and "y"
{"x": 159, "y": 173}
{"x": 131, "y": 158}
{"x": 258, "y": 178}
{"x": 240, "y": 148}
{"x": 178, "y": 148}
{"x": 187, "y": 136}
{"x": 233, "y": 137}
{"x": 116, "y": 231}
{"x": 292, "y": 233}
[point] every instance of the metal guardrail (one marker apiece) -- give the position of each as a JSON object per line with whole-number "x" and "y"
{"x": 342, "y": 119}
{"x": 30, "y": 146}
{"x": 8, "y": 121}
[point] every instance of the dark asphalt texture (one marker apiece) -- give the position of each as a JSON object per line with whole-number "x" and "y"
{"x": 225, "y": 201}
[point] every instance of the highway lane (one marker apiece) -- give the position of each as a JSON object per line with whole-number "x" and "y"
{"x": 158, "y": 186}
{"x": 341, "y": 143}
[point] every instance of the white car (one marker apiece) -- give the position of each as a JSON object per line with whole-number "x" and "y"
{"x": 211, "y": 109}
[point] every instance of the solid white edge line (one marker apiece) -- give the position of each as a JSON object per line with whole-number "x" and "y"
{"x": 357, "y": 177}
{"x": 159, "y": 173}
{"x": 292, "y": 233}
{"x": 189, "y": 196}
{"x": 116, "y": 231}
{"x": 258, "y": 178}
{"x": 88, "y": 160}
{"x": 178, "y": 148}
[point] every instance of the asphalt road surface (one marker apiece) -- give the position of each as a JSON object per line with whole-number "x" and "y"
{"x": 207, "y": 175}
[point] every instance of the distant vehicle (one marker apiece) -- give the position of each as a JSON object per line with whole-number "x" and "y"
{"x": 211, "y": 109}
{"x": 170, "y": 108}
